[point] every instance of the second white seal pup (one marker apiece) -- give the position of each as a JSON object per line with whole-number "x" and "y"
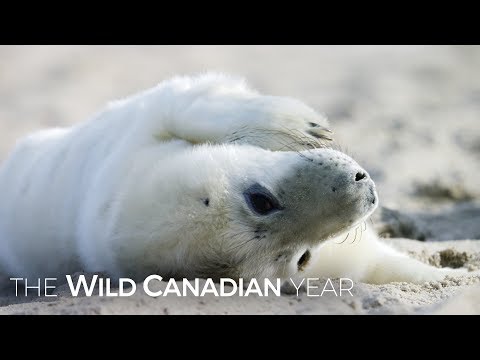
{"x": 189, "y": 179}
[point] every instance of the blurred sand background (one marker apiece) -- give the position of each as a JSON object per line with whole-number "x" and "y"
{"x": 409, "y": 114}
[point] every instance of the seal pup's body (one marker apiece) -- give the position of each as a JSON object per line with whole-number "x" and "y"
{"x": 196, "y": 177}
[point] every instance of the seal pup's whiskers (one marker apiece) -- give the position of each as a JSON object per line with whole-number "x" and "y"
{"x": 243, "y": 243}
{"x": 362, "y": 230}
{"x": 355, "y": 238}
{"x": 346, "y": 237}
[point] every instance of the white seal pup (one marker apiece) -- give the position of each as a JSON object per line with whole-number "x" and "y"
{"x": 197, "y": 177}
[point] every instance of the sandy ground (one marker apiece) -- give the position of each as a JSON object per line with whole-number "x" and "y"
{"x": 409, "y": 115}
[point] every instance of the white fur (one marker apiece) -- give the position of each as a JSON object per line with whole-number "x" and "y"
{"x": 367, "y": 259}
{"x": 66, "y": 200}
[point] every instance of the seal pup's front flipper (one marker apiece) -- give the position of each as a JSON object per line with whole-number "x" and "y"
{"x": 365, "y": 258}
{"x": 216, "y": 108}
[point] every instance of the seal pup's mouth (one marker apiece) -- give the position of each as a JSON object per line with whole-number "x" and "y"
{"x": 373, "y": 200}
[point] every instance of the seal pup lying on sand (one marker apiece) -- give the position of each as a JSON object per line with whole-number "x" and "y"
{"x": 196, "y": 177}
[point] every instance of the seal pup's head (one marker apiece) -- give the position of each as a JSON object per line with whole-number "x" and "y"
{"x": 238, "y": 210}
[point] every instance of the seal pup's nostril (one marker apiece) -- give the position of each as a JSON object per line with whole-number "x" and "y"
{"x": 360, "y": 176}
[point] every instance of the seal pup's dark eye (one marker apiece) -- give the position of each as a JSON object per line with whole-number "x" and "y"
{"x": 261, "y": 204}
{"x": 260, "y": 200}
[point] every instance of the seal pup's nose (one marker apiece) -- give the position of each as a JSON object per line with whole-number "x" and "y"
{"x": 361, "y": 175}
